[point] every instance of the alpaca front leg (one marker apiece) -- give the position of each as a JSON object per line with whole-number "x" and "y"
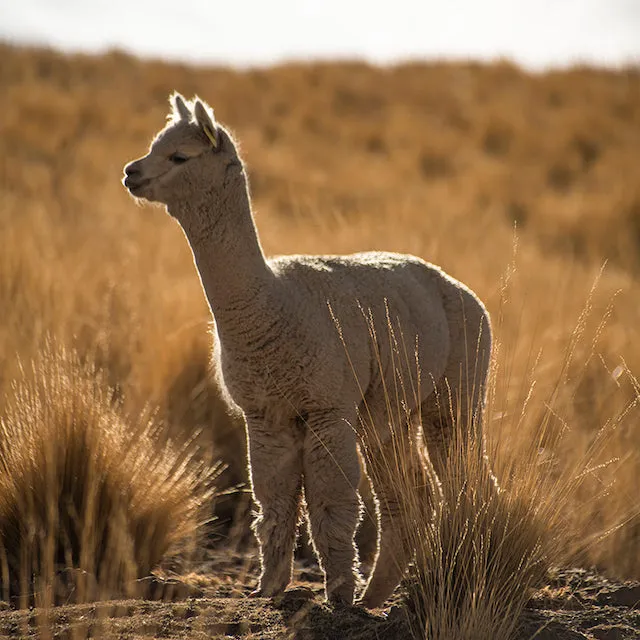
{"x": 275, "y": 458}
{"x": 331, "y": 477}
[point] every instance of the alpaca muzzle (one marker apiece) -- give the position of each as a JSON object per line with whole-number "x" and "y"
{"x": 133, "y": 179}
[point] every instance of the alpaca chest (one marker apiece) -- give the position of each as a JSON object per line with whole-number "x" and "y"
{"x": 254, "y": 381}
{"x": 312, "y": 375}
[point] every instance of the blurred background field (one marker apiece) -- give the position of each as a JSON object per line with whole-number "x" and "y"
{"x": 521, "y": 185}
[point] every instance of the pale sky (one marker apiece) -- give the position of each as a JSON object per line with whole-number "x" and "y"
{"x": 533, "y": 33}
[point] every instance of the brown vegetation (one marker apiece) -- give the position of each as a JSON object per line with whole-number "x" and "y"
{"x": 439, "y": 160}
{"x": 90, "y": 501}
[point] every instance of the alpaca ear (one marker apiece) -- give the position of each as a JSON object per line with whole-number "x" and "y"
{"x": 180, "y": 107}
{"x": 203, "y": 118}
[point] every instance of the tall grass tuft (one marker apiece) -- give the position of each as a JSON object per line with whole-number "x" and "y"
{"x": 90, "y": 500}
{"x": 486, "y": 548}
{"x": 478, "y": 559}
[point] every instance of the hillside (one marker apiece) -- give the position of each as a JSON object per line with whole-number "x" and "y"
{"x": 523, "y": 186}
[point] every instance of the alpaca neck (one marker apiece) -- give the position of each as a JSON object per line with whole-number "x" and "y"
{"x": 235, "y": 276}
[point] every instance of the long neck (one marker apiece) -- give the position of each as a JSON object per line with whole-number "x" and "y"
{"x": 236, "y": 278}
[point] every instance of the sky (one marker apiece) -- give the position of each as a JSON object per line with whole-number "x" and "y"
{"x": 536, "y": 34}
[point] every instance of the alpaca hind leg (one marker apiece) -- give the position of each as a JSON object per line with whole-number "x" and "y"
{"x": 276, "y": 478}
{"x": 331, "y": 476}
{"x": 438, "y": 427}
{"x": 397, "y": 477}
{"x": 451, "y": 417}
{"x": 455, "y": 408}
{"x": 453, "y": 413}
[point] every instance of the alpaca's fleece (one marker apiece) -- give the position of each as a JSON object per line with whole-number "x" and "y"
{"x": 308, "y": 348}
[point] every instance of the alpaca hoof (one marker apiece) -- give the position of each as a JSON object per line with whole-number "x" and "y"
{"x": 256, "y": 593}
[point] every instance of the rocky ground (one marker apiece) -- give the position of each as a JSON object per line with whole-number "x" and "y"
{"x": 581, "y": 604}
{"x": 575, "y": 605}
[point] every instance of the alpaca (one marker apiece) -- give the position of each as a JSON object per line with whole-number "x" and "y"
{"x": 295, "y": 353}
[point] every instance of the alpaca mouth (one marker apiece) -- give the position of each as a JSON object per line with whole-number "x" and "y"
{"x": 135, "y": 185}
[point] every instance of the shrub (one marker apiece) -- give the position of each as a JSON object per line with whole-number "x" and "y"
{"x": 90, "y": 500}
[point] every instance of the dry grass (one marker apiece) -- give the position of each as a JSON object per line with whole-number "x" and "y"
{"x": 90, "y": 501}
{"x": 482, "y": 555}
{"x": 437, "y": 160}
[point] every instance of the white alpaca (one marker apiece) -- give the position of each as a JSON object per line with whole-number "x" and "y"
{"x": 283, "y": 363}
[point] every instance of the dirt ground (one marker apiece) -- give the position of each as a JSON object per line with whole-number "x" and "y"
{"x": 575, "y": 605}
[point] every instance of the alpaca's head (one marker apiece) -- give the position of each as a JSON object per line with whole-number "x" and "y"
{"x": 192, "y": 154}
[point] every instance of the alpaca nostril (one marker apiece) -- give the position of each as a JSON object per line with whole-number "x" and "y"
{"x": 132, "y": 169}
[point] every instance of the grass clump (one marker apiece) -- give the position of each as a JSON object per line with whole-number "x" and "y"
{"x": 486, "y": 548}
{"x": 90, "y": 500}
{"x": 479, "y": 558}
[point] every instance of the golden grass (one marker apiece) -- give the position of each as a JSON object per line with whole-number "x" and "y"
{"x": 90, "y": 501}
{"x": 483, "y": 553}
{"x": 438, "y": 160}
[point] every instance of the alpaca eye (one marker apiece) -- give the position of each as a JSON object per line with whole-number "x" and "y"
{"x": 178, "y": 158}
